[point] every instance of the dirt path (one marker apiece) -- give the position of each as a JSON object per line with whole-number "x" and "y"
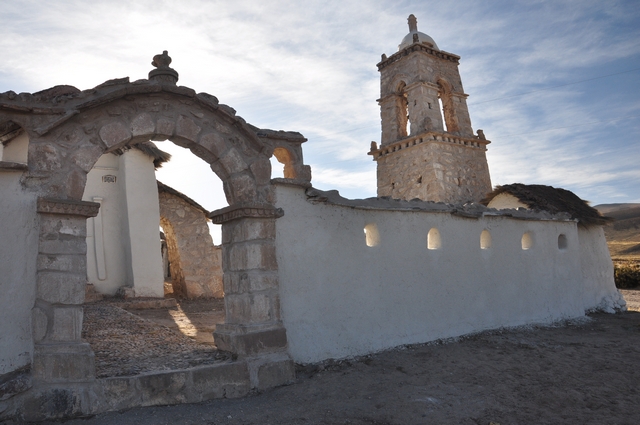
{"x": 584, "y": 372}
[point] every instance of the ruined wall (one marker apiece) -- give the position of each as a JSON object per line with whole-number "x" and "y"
{"x": 196, "y": 264}
{"x": 341, "y": 297}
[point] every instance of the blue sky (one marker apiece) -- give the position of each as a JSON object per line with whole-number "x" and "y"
{"x": 555, "y": 85}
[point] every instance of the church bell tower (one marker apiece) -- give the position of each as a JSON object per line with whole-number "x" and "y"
{"x": 428, "y": 149}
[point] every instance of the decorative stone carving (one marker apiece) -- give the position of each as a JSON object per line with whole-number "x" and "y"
{"x": 67, "y": 207}
{"x": 235, "y": 212}
{"x": 163, "y": 73}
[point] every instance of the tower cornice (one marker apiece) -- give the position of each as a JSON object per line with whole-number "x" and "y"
{"x": 417, "y": 47}
{"x": 428, "y": 137}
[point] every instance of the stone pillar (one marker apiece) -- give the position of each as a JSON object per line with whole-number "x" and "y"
{"x": 252, "y": 302}
{"x": 424, "y": 109}
{"x": 390, "y": 108}
{"x": 59, "y": 354}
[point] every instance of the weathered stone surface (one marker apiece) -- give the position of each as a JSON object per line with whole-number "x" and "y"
{"x": 62, "y": 262}
{"x": 250, "y": 281}
{"x": 120, "y": 393}
{"x": 229, "y": 380}
{"x": 63, "y": 362}
{"x": 60, "y": 287}
{"x": 67, "y": 323}
{"x": 142, "y": 125}
{"x": 274, "y": 374}
{"x": 186, "y": 128}
{"x": 261, "y": 170}
{"x": 259, "y": 255}
{"x": 233, "y": 162}
{"x": 163, "y": 388}
{"x": 195, "y": 263}
{"x": 164, "y": 129}
{"x": 114, "y": 134}
{"x": 249, "y": 308}
{"x": 214, "y": 143}
{"x": 251, "y": 343}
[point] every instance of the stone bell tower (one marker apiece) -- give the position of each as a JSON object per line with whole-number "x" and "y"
{"x": 428, "y": 149}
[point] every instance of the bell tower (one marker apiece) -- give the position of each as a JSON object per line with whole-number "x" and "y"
{"x": 428, "y": 149}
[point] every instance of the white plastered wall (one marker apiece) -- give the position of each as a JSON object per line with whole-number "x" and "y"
{"x": 123, "y": 242}
{"x": 18, "y": 253}
{"x": 340, "y": 297}
{"x": 16, "y": 150}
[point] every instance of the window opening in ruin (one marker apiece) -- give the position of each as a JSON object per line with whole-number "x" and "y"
{"x": 485, "y": 239}
{"x": 527, "y": 241}
{"x": 404, "y": 125}
{"x": 282, "y": 156}
{"x": 433, "y": 239}
{"x": 371, "y": 235}
{"x": 14, "y": 143}
{"x": 563, "y": 242}
{"x": 442, "y": 117}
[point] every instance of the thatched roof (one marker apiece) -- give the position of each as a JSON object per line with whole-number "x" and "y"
{"x": 164, "y": 188}
{"x": 151, "y": 150}
{"x": 551, "y": 199}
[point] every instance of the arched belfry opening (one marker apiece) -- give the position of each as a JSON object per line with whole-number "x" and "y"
{"x": 428, "y": 149}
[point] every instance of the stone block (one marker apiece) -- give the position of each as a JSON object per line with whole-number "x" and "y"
{"x": 251, "y": 281}
{"x": 259, "y": 255}
{"x": 227, "y": 380}
{"x": 250, "y": 343}
{"x": 163, "y": 388}
{"x": 60, "y": 287}
{"x": 274, "y": 374}
{"x": 261, "y": 170}
{"x": 61, "y": 227}
{"x": 186, "y": 128}
{"x": 62, "y": 263}
{"x": 67, "y": 323}
{"x": 143, "y": 125}
{"x": 248, "y": 308}
{"x": 254, "y": 229}
{"x": 164, "y": 129}
{"x": 63, "y": 362}
{"x": 114, "y": 134}
{"x": 233, "y": 162}
{"x": 120, "y": 392}
{"x": 52, "y": 403}
{"x": 214, "y": 143}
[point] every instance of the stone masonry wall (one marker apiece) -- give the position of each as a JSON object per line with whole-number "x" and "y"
{"x": 439, "y": 172}
{"x": 196, "y": 264}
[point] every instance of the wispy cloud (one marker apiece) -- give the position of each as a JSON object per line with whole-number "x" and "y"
{"x": 310, "y": 66}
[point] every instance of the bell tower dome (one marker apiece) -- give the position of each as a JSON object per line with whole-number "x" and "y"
{"x": 428, "y": 149}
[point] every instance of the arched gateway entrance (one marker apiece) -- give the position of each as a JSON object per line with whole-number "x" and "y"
{"x": 69, "y": 130}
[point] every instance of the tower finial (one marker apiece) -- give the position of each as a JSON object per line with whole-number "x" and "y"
{"x": 413, "y": 23}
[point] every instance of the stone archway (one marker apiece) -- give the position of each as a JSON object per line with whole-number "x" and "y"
{"x": 68, "y": 131}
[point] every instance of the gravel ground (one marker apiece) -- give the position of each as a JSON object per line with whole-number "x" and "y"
{"x": 126, "y": 344}
{"x": 580, "y": 372}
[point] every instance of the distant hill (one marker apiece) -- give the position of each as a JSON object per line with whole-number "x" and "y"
{"x": 623, "y": 235}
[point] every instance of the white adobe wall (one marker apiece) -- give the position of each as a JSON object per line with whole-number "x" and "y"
{"x": 16, "y": 150}
{"x": 127, "y": 250}
{"x": 597, "y": 271}
{"x": 106, "y": 235}
{"x": 18, "y": 254}
{"x": 340, "y": 297}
